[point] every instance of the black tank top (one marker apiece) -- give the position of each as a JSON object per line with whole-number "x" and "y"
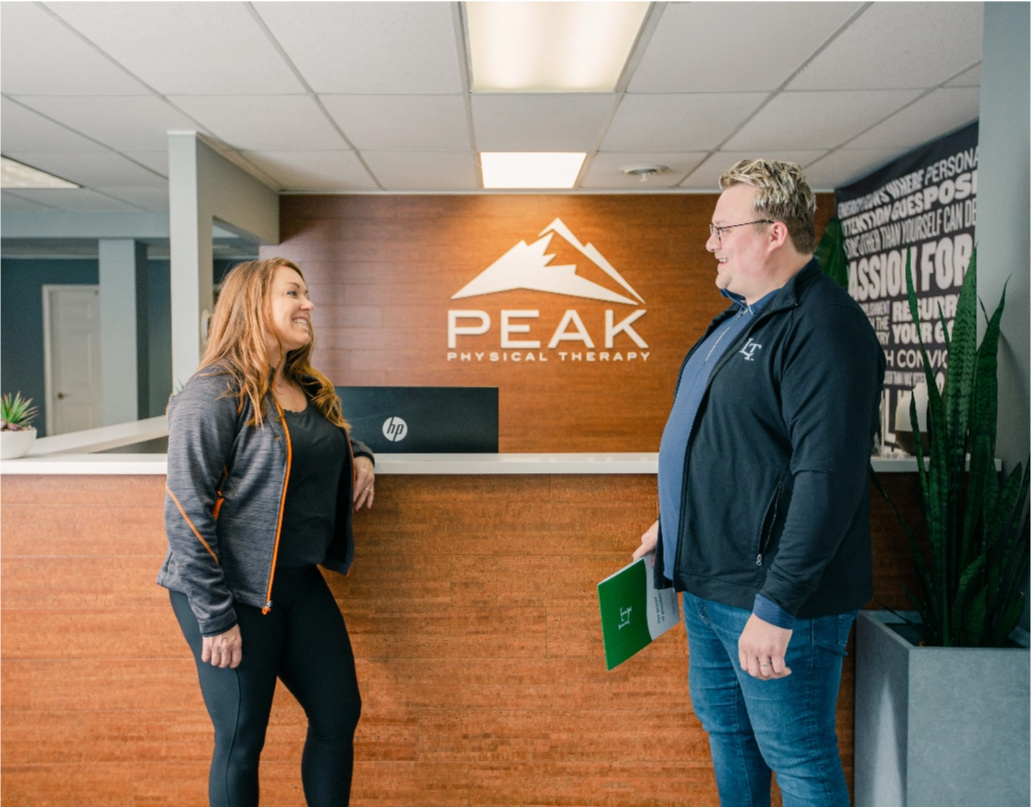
{"x": 320, "y": 455}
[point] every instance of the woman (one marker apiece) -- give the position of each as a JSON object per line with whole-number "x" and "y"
{"x": 262, "y": 480}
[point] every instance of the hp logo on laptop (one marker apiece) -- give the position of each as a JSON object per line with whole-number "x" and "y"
{"x": 395, "y": 429}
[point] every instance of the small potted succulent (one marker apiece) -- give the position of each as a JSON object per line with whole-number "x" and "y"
{"x": 16, "y": 431}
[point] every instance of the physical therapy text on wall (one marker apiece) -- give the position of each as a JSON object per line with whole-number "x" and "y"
{"x": 531, "y": 267}
{"x": 924, "y": 205}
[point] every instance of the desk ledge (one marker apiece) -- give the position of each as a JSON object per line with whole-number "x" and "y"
{"x": 397, "y": 464}
{"x": 72, "y": 454}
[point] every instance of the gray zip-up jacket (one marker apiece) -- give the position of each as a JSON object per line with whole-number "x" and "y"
{"x": 225, "y": 492}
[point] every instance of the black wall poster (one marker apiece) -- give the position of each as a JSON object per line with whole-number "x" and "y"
{"x": 923, "y": 204}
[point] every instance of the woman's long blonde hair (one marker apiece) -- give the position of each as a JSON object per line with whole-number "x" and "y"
{"x": 239, "y": 335}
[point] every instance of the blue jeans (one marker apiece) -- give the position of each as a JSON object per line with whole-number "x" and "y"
{"x": 784, "y": 725}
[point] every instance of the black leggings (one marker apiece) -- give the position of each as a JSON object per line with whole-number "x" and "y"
{"x": 301, "y": 640}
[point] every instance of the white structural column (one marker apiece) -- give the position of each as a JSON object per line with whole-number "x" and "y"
{"x": 122, "y": 260}
{"x": 204, "y": 187}
{"x": 190, "y": 240}
{"x": 1003, "y": 211}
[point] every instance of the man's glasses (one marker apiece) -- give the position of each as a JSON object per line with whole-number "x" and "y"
{"x": 718, "y": 231}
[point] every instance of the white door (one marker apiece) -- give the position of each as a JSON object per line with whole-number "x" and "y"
{"x": 71, "y": 344}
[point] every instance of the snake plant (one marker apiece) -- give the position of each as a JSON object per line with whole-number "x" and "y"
{"x": 972, "y": 555}
{"x": 830, "y": 253}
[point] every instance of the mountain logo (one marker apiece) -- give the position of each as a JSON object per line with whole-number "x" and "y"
{"x": 528, "y": 266}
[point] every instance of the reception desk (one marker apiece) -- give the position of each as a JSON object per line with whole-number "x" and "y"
{"x": 472, "y": 611}
{"x": 97, "y": 451}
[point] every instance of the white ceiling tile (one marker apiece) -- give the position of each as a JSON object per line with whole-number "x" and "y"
{"x": 707, "y": 176}
{"x": 156, "y": 161}
{"x": 39, "y": 55}
{"x": 22, "y": 129}
{"x": 240, "y": 160}
{"x": 540, "y": 122}
{"x": 392, "y": 74}
{"x": 401, "y": 122}
{"x": 263, "y": 122}
{"x": 186, "y": 47}
{"x": 899, "y": 45}
{"x": 606, "y": 170}
{"x": 150, "y": 199}
{"x": 369, "y": 47}
{"x": 423, "y": 171}
{"x": 932, "y": 116}
{"x": 968, "y": 78}
{"x": 693, "y": 48}
{"x": 96, "y": 170}
{"x": 844, "y": 166}
{"x": 678, "y": 123}
{"x": 314, "y": 170}
{"x": 794, "y": 120}
{"x": 80, "y": 200}
{"x": 124, "y": 123}
{"x": 11, "y": 202}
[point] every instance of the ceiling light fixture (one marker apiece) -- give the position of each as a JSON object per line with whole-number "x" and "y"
{"x": 14, "y": 174}
{"x": 551, "y": 46}
{"x": 540, "y": 170}
{"x": 644, "y": 171}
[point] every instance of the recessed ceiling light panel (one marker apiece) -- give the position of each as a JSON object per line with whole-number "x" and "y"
{"x": 14, "y": 174}
{"x": 539, "y": 170}
{"x": 551, "y": 46}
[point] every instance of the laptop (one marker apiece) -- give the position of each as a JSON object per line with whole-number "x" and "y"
{"x": 423, "y": 420}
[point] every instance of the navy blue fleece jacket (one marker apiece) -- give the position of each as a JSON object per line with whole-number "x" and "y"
{"x": 775, "y": 495}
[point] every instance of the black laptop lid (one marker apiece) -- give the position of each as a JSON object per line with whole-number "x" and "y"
{"x": 423, "y": 420}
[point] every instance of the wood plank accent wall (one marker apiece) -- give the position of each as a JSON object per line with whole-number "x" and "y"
{"x": 473, "y": 616}
{"x": 382, "y": 271}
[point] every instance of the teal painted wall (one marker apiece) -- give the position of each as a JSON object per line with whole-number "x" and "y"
{"x": 21, "y": 327}
{"x": 21, "y": 321}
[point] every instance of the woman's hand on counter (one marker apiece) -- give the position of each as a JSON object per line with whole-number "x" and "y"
{"x": 648, "y": 542}
{"x": 364, "y": 483}
{"x": 223, "y": 649}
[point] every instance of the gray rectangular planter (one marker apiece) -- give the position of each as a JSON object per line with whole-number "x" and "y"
{"x": 937, "y": 727}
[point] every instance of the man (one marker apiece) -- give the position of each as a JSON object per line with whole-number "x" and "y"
{"x": 763, "y": 498}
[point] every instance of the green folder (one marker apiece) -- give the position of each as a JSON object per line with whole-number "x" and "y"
{"x": 633, "y": 611}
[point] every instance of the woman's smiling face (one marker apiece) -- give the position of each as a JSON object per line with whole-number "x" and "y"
{"x": 290, "y": 309}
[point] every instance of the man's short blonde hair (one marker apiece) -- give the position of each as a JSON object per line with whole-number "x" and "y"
{"x": 782, "y": 194}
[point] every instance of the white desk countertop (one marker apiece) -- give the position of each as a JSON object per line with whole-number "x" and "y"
{"x": 72, "y": 454}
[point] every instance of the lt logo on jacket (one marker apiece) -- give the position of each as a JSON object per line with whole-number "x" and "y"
{"x": 748, "y": 351}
